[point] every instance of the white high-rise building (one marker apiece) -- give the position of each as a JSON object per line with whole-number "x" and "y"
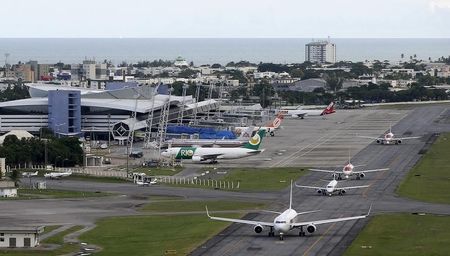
{"x": 320, "y": 52}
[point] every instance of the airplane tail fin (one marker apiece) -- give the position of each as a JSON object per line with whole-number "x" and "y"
{"x": 256, "y": 140}
{"x": 246, "y": 134}
{"x": 290, "y": 197}
{"x": 329, "y": 109}
{"x": 275, "y": 123}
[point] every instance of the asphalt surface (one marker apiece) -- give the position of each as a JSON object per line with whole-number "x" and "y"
{"x": 333, "y": 239}
{"x": 314, "y": 142}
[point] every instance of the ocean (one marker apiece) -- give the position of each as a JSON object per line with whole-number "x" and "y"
{"x": 212, "y": 50}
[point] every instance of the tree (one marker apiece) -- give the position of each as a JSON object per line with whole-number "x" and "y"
{"x": 296, "y": 73}
{"x": 334, "y": 82}
{"x": 15, "y": 177}
{"x": 264, "y": 90}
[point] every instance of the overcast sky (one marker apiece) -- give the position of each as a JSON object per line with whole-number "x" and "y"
{"x": 225, "y": 18}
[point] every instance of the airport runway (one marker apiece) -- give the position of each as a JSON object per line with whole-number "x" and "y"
{"x": 314, "y": 142}
{"x": 333, "y": 239}
{"x": 318, "y": 141}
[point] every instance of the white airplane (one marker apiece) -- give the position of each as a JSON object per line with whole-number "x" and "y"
{"x": 332, "y": 188}
{"x": 389, "y": 138}
{"x": 286, "y": 221}
{"x": 241, "y": 140}
{"x": 57, "y": 175}
{"x": 29, "y": 174}
{"x": 199, "y": 154}
{"x": 269, "y": 128}
{"x": 301, "y": 113}
{"x": 348, "y": 170}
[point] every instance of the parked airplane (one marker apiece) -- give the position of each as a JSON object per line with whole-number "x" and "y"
{"x": 57, "y": 175}
{"x": 332, "y": 188}
{"x": 199, "y": 154}
{"x": 348, "y": 170}
{"x": 286, "y": 221}
{"x": 269, "y": 128}
{"x": 241, "y": 140}
{"x": 389, "y": 138}
{"x": 301, "y": 113}
{"x": 29, "y": 174}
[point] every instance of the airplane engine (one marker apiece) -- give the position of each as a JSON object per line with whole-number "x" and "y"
{"x": 311, "y": 229}
{"x": 378, "y": 141}
{"x": 272, "y": 134}
{"x": 362, "y": 175}
{"x": 258, "y": 229}
{"x": 343, "y": 191}
{"x": 399, "y": 141}
{"x": 319, "y": 191}
{"x": 197, "y": 159}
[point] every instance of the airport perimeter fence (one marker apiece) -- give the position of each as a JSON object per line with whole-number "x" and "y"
{"x": 194, "y": 181}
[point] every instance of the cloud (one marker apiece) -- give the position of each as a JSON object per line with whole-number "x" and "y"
{"x": 439, "y": 4}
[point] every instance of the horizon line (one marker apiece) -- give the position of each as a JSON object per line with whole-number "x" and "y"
{"x": 312, "y": 38}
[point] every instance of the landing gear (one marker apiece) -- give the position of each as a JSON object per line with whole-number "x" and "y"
{"x": 271, "y": 233}
{"x": 339, "y": 177}
{"x": 358, "y": 177}
{"x": 272, "y": 134}
{"x": 281, "y": 237}
{"x": 301, "y": 233}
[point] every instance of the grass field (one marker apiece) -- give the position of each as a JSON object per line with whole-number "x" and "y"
{"x": 258, "y": 179}
{"x": 403, "y": 235}
{"x": 96, "y": 179}
{"x": 152, "y": 235}
{"x": 192, "y": 206}
{"x": 429, "y": 179}
{"x": 59, "y": 238}
{"x": 55, "y": 193}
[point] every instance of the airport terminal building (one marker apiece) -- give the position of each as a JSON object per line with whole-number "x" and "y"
{"x": 74, "y": 111}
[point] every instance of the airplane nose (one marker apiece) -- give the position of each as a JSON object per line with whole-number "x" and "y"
{"x": 165, "y": 154}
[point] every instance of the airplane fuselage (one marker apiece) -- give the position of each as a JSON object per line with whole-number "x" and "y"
{"x": 282, "y": 223}
{"x": 196, "y": 153}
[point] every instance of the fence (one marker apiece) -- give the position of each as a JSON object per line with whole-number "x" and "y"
{"x": 220, "y": 184}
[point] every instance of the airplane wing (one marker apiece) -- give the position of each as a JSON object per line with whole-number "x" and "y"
{"x": 368, "y": 137}
{"x": 353, "y": 187}
{"x": 300, "y": 186}
{"x": 374, "y": 170}
{"x": 407, "y": 138}
{"x": 248, "y": 222}
{"x": 318, "y": 222}
{"x": 320, "y": 170}
{"x": 301, "y": 213}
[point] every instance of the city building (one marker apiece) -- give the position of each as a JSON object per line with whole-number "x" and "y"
{"x": 64, "y": 112}
{"x": 320, "y": 52}
{"x": 73, "y": 111}
{"x": 24, "y": 72}
{"x": 18, "y": 237}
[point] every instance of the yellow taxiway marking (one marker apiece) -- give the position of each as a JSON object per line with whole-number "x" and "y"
{"x": 320, "y": 238}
